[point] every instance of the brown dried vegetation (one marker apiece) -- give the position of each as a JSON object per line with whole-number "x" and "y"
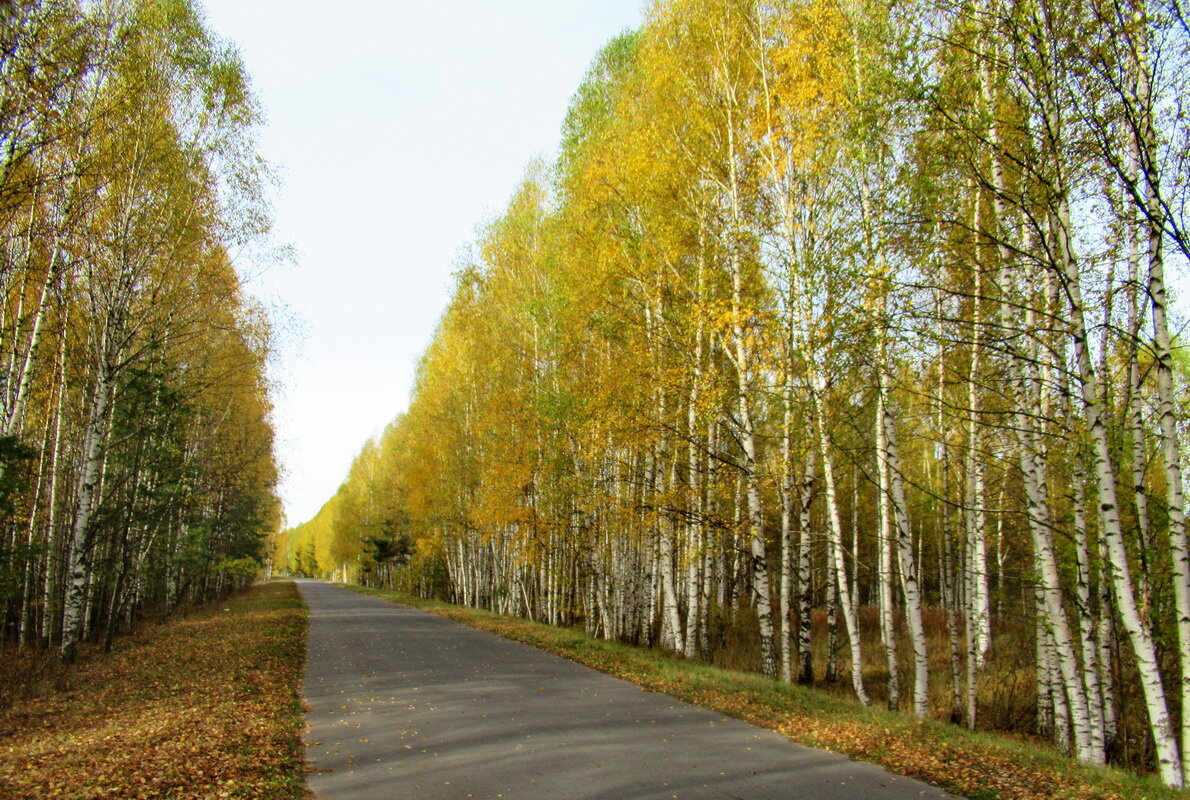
{"x": 206, "y": 706}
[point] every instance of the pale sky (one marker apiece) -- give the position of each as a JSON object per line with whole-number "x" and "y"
{"x": 398, "y": 129}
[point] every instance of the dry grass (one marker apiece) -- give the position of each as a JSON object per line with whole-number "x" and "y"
{"x": 1007, "y": 686}
{"x": 207, "y": 706}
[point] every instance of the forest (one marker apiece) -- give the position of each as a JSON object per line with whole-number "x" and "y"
{"x": 136, "y": 447}
{"x": 838, "y": 343}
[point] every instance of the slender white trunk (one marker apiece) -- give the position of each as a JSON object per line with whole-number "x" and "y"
{"x": 947, "y": 568}
{"x": 786, "y": 587}
{"x": 762, "y": 595}
{"x": 1055, "y": 624}
{"x": 910, "y": 585}
{"x": 835, "y": 532}
{"x": 671, "y": 622}
{"x": 1057, "y": 696}
{"x": 1137, "y": 428}
{"x": 24, "y": 374}
{"x": 695, "y": 532}
{"x": 709, "y": 562}
{"x": 977, "y": 629}
{"x": 885, "y": 571}
{"x": 78, "y": 566}
{"x": 1143, "y": 647}
{"x": 1179, "y": 547}
{"x": 831, "y": 674}
{"x": 1106, "y": 635}
{"x": 1086, "y": 624}
{"x": 805, "y": 655}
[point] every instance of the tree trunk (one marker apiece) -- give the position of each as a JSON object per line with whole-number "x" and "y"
{"x": 805, "y": 655}
{"x": 910, "y": 586}
{"x": 78, "y": 569}
{"x": 885, "y": 571}
{"x": 846, "y": 604}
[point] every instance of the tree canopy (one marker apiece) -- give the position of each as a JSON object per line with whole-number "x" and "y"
{"x": 838, "y": 341}
{"x": 137, "y": 464}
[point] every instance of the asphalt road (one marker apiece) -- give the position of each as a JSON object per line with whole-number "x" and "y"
{"x": 405, "y": 705}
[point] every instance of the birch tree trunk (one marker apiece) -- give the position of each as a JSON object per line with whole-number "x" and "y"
{"x": 885, "y": 571}
{"x": 805, "y": 655}
{"x": 24, "y": 374}
{"x": 835, "y": 532}
{"x": 695, "y": 526}
{"x": 910, "y": 584}
{"x": 747, "y": 431}
{"x": 78, "y": 566}
{"x": 1143, "y": 646}
{"x": 671, "y": 622}
{"x": 1055, "y": 623}
{"x": 1144, "y": 143}
{"x": 786, "y": 495}
{"x": 1086, "y": 624}
{"x": 978, "y": 623}
{"x": 1136, "y": 425}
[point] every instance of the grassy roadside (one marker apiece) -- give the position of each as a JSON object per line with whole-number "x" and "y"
{"x": 974, "y": 765}
{"x": 205, "y": 706}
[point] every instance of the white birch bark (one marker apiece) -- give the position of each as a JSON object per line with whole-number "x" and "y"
{"x": 742, "y": 357}
{"x": 695, "y": 530}
{"x": 671, "y": 623}
{"x": 831, "y": 673}
{"x": 24, "y": 374}
{"x": 1086, "y": 624}
{"x": 910, "y": 584}
{"x": 976, "y": 631}
{"x": 1106, "y": 636}
{"x": 1055, "y": 622}
{"x": 1145, "y": 143}
{"x": 948, "y": 569}
{"x": 1136, "y": 426}
{"x": 974, "y": 508}
{"x": 835, "y": 531}
{"x": 78, "y": 565}
{"x": 885, "y": 571}
{"x": 805, "y": 655}
{"x": 1144, "y": 649}
{"x": 785, "y": 591}
{"x": 696, "y": 544}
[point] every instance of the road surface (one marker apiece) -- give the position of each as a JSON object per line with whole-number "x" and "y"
{"x": 406, "y": 705}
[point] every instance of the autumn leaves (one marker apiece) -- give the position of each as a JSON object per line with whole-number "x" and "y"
{"x": 828, "y": 304}
{"x": 133, "y": 366}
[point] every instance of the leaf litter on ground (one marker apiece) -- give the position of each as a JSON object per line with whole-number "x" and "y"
{"x": 204, "y": 706}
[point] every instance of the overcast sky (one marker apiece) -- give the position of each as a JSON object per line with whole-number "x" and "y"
{"x": 398, "y": 129}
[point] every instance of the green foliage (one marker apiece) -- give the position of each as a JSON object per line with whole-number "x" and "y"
{"x": 14, "y": 457}
{"x": 240, "y": 570}
{"x": 592, "y": 107}
{"x": 777, "y": 236}
{"x": 136, "y": 364}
